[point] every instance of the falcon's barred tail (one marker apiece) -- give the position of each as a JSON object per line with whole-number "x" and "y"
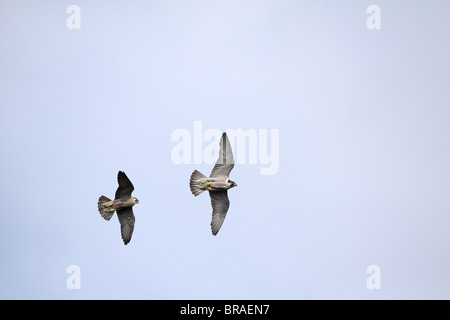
{"x": 104, "y": 209}
{"x": 197, "y": 183}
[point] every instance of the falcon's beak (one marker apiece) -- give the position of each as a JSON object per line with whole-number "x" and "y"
{"x": 234, "y": 184}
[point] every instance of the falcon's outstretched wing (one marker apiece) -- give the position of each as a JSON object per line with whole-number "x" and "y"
{"x": 225, "y": 162}
{"x": 126, "y": 219}
{"x": 220, "y": 205}
{"x": 125, "y": 186}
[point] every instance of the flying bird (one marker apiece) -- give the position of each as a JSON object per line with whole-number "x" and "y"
{"x": 217, "y": 184}
{"x": 122, "y": 204}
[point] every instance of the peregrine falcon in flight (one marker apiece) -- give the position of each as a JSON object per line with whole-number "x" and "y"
{"x": 122, "y": 204}
{"x": 217, "y": 184}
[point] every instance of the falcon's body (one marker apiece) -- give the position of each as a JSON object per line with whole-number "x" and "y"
{"x": 217, "y": 184}
{"x": 118, "y": 204}
{"x": 122, "y": 204}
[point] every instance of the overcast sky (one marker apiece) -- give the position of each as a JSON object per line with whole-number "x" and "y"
{"x": 363, "y": 122}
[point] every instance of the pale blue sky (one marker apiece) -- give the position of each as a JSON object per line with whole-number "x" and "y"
{"x": 364, "y": 124}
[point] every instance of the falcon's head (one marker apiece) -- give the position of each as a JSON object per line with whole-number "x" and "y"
{"x": 231, "y": 184}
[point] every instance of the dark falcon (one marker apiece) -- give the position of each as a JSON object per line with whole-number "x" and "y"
{"x": 123, "y": 204}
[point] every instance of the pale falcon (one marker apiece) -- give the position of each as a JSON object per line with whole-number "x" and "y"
{"x": 217, "y": 184}
{"x": 122, "y": 204}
